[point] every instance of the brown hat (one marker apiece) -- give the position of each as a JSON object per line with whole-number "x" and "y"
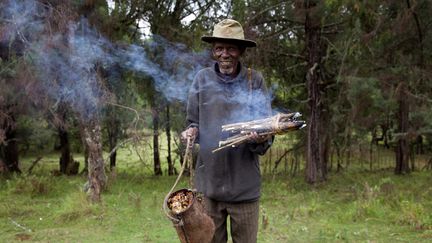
{"x": 230, "y": 30}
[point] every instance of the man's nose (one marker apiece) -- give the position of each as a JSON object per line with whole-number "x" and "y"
{"x": 225, "y": 52}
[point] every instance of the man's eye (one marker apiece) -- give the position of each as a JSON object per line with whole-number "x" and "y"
{"x": 218, "y": 49}
{"x": 232, "y": 49}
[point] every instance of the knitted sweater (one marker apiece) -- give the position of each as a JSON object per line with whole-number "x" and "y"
{"x": 232, "y": 174}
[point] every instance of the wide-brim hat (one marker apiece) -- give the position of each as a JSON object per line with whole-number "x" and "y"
{"x": 229, "y": 30}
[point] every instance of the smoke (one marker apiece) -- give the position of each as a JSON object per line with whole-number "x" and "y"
{"x": 66, "y": 62}
{"x": 174, "y": 75}
{"x": 20, "y": 19}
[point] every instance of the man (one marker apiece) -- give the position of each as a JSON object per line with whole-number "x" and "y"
{"x": 226, "y": 93}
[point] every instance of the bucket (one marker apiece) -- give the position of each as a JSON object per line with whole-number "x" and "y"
{"x": 189, "y": 218}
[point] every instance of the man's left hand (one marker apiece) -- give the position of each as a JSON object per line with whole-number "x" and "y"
{"x": 255, "y": 138}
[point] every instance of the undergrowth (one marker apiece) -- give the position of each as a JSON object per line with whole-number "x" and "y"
{"x": 358, "y": 206}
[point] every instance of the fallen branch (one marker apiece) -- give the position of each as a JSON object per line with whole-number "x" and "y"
{"x": 20, "y": 226}
{"x": 29, "y": 171}
{"x": 285, "y": 154}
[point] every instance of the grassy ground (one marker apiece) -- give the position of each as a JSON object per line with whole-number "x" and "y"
{"x": 355, "y": 206}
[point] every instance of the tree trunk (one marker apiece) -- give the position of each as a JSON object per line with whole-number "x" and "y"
{"x": 371, "y": 155}
{"x": 168, "y": 134}
{"x": 315, "y": 171}
{"x": 66, "y": 157}
{"x": 156, "y": 157}
{"x": 324, "y": 142}
{"x": 11, "y": 154}
{"x": 67, "y": 166}
{"x": 113, "y": 128}
{"x": 86, "y": 151}
{"x": 402, "y": 149}
{"x": 97, "y": 179}
{"x": 339, "y": 159}
{"x": 3, "y": 167}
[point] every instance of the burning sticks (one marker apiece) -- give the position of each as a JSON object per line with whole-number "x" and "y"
{"x": 278, "y": 124}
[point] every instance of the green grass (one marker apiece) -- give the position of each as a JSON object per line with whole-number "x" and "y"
{"x": 362, "y": 207}
{"x": 353, "y": 206}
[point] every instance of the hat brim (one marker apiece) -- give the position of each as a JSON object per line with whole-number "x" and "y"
{"x": 241, "y": 42}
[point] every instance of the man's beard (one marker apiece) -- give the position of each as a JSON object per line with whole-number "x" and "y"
{"x": 226, "y": 67}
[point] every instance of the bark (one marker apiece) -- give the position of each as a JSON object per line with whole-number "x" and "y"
{"x": 168, "y": 134}
{"x": 339, "y": 153}
{"x": 86, "y": 150}
{"x": 324, "y": 142}
{"x": 419, "y": 34}
{"x": 59, "y": 119}
{"x": 402, "y": 149}
{"x": 113, "y": 129}
{"x": 371, "y": 156}
{"x": 97, "y": 179}
{"x": 156, "y": 156}
{"x": 86, "y": 159}
{"x": 113, "y": 157}
{"x": 385, "y": 129}
{"x": 11, "y": 154}
{"x": 66, "y": 157}
{"x": 315, "y": 170}
{"x": 3, "y": 167}
{"x": 419, "y": 145}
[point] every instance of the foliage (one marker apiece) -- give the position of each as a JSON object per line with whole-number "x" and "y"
{"x": 371, "y": 48}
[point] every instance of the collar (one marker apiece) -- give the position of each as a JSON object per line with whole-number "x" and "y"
{"x": 228, "y": 79}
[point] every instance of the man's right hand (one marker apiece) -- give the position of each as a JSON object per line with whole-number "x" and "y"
{"x": 191, "y": 132}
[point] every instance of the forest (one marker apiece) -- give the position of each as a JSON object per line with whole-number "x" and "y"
{"x": 93, "y": 97}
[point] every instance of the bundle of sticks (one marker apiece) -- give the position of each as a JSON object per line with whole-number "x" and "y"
{"x": 242, "y": 131}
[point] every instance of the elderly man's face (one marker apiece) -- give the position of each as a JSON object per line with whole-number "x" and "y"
{"x": 227, "y": 55}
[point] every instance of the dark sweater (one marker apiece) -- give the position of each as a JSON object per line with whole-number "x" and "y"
{"x": 232, "y": 174}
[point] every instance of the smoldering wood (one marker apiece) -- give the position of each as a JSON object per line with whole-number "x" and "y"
{"x": 241, "y": 132}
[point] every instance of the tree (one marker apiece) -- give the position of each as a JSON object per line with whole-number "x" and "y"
{"x": 66, "y": 159}
{"x": 56, "y": 48}
{"x": 395, "y": 38}
{"x": 315, "y": 165}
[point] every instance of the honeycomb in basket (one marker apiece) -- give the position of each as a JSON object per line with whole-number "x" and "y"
{"x": 180, "y": 201}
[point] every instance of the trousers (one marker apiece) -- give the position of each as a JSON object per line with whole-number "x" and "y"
{"x": 243, "y": 220}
